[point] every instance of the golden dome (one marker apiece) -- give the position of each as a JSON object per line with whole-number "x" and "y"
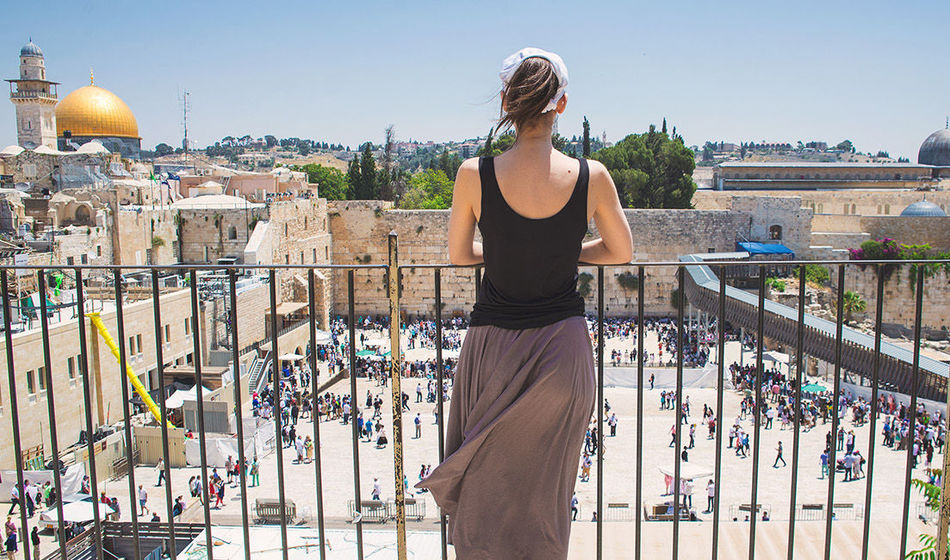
{"x": 93, "y": 111}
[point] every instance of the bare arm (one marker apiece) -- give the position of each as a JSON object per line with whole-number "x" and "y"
{"x": 615, "y": 245}
{"x": 463, "y": 249}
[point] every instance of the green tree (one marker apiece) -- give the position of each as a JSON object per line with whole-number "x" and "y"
{"x": 663, "y": 130}
{"x": 353, "y": 177}
{"x": 163, "y": 149}
{"x": 586, "y": 137}
{"x": 853, "y": 304}
{"x": 650, "y": 170}
{"x": 845, "y": 146}
{"x": 332, "y": 182}
{"x": 270, "y": 140}
{"x": 430, "y": 189}
{"x": 559, "y": 142}
{"x": 368, "y": 186}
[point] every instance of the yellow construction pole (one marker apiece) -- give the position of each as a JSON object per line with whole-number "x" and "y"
{"x": 133, "y": 379}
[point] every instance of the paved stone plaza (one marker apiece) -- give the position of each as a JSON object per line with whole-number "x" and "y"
{"x": 619, "y": 474}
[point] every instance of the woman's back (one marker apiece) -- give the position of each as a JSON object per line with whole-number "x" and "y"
{"x": 532, "y": 228}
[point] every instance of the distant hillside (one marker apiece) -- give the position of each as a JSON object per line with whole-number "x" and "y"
{"x": 326, "y": 160}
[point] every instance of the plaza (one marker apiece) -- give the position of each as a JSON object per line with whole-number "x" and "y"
{"x": 619, "y": 469}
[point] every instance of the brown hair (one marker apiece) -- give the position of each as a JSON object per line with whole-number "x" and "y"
{"x": 528, "y": 92}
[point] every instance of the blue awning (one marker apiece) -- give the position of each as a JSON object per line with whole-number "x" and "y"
{"x": 764, "y": 248}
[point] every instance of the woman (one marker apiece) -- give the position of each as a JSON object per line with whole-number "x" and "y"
{"x": 525, "y": 386}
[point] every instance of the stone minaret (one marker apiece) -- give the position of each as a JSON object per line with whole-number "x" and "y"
{"x": 35, "y": 99}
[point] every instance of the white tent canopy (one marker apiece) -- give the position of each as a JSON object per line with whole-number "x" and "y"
{"x": 773, "y": 356}
{"x": 688, "y": 471}
{"x": 80, "y": 511}
{"x": 179, "y": 397}
{"x": 291, "y": 357}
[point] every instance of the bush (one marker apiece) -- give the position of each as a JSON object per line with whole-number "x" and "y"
{"x": 776, "y": 284}
{"x": 583, "y": 284}
{"x": 815, "y": 274}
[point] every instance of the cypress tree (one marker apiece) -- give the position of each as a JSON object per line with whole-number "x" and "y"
{"x": 586, "y": 138}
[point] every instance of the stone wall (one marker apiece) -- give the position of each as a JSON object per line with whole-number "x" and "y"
{"x": 899, "y": 298}
{"x": 834, "y": 202}
{"x": 360, "y": 230}
{"x": 206, "y": 235}
{"x": 146, "y": 236}
{"x": 847, "y": 232}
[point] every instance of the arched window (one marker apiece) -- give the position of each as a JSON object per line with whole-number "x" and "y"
{"x": 775, "y": 233}
{"x": 232, "y": 232}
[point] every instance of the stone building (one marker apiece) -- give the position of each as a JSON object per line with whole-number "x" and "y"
{"x": 35, "y": 100}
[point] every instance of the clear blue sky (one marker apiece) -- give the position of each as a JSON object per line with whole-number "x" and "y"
{"x": 873, "y": 72}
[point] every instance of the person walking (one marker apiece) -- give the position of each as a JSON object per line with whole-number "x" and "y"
{"x": 143, "y": 498}
{"x": 418, "y": 422}
{"x": 778, "y": 456}
{"x": 11, "y": 544}
{"x": 377, "y": 490}
{"x": 574, "y": 507}
{"x": 160, "y": 467}
{"x": 524, "y": 384}
{"x": 710, "y": 495}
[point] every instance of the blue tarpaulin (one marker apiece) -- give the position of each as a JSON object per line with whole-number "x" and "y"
{"x": 763, "y": 248}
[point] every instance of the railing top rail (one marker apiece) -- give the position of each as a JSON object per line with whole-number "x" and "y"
{"x": 225, "y": 268}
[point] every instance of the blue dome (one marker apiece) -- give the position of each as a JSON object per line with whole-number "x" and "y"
{"x": 924, "y": 209}
{"x": 30, "y": 49}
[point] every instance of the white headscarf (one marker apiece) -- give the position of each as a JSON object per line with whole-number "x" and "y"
{"x": 511, "y": 64}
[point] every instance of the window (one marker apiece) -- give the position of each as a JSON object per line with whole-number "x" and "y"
{"x": 132, "y": 351}
{"x": 305, "y": 222}
{"x": 168, "y": 334}
{"x": 301, "y": 257}
{"x": 326, "y": 253}
{"x": 41, "y": 377}
{"x": 232, "y": 232}
{"x": 138, "y": 343}
{"x": 314, "y": 256}
{"x": 287, "y": 258}
{"x": 98, "y": 250}
{"x": 775, "y": 233}
{"x": 187, "y": 325}
{"x": 69, "y": 261}
{"x": 207, "y": 257}
{"x": 285, "y": 230}
{"x": 71, "y": 367}
{"x": 854, "y": 208}
{"x": 189, "y": 358}
{"x": 84, "y": 258}
{"x": 887, "y": 209}
{"x": 30, "y": 383}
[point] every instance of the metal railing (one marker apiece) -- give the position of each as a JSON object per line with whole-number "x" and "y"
{"x": 720, "y": 302}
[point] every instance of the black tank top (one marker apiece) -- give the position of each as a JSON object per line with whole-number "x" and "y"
{"x": 530, "y": 275}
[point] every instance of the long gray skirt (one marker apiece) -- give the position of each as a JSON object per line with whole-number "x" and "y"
{"x": 520, "y": 407}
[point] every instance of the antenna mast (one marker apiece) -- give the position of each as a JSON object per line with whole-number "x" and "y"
{"x": 185, "y": 108}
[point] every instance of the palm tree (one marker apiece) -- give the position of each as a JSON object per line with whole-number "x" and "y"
{"x": 853, "y": 304}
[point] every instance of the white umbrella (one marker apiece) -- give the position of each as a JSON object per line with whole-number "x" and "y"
{"x": 688, "y": 471}
{"x": 291, "y": 357}
{"x": 75, "y": 512}
{"x": 323, "y": 337}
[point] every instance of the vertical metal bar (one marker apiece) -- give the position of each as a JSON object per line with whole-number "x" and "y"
{"x": 314, "y": 416}
{"x": 800, "y": 378}
{"x": 351, "y": 323}
{"x": 395, "y": 373}
{"x": 275, "y": 370}
{"x": 875, "y": 374}
{"x": 51, "y": 414}
{"x": 720, "y": 389}
{"x": 638, "y": 544}
{"x": 87, "y": 410}
{"x": 679, "y": 415}
{"x": 160, "y": 364}
{"x": 758, "y": 402}
{"x": 832, "y": 460}
{"x": 440, "y": 405}
{"x": 600, "y": 412}
{"x": 15, "y": 415}
{"x": 239, "y": 413}
{"x": 123, "y": 368}
{"x": 911, "y": 432}
{"x": 199, "y": 391}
